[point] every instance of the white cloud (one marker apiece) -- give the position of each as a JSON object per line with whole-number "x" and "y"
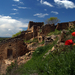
{"x": 22, "y": 7}
{"x": 9, "y": 26}
{"x": 14, "y": 5}
{"x": 54, "y": 12}
{"x": 13, "y": 13}
{"x": 45, "y": 9}
{"x": 16, "y": 0}
{"x": 40, "y": 15}
{"x": 15, "y": 9}
{"x": 21, "y": 3}
{"x": 46, "y": 3}
{"x": 65, "y": 3}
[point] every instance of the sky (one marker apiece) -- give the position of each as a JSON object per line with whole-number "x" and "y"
{"x": 16, "y": 14}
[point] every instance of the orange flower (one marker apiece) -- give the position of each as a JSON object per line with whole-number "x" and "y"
{"x": 73, "y": 34}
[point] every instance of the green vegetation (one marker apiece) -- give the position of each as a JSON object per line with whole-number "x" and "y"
{"x": 59, "y": 62}
{"x": 34, "y": 40}
{"x": 52, "y": 20}
{"x": 1, "y": 39}
{"x": 56, "y": 32}
{"x": 41, "y": 42}
{"x": 18, "y": 33}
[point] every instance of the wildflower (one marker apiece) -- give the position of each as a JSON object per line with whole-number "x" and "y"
{"x": 73, "y": 34}
{"x": 69, "y": 42}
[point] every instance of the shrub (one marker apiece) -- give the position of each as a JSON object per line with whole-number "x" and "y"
{"x": 16, "y": 34}
{"x": 10, "y": 68}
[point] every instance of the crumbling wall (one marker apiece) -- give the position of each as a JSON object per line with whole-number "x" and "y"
{"x": 48, "y": 28}
{"x": 31, "y": 23}
{"x": 61, "y": 26}
{"x": 71, "y": 24}
{"x": 28, "y": 36}
{"x": 16, "y": 45}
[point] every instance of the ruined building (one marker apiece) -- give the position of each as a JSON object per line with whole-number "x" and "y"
{"x": 9, "y": 48}
{"x": 65, "y": 25}
{"x": 14, "y": 47}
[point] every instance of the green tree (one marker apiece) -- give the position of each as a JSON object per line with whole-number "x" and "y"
{"x": 52, "y": 20}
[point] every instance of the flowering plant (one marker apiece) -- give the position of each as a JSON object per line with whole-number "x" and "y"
{"x": 70, "y": 42}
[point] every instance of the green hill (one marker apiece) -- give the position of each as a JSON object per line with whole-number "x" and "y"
{"x": 60, "y": 62}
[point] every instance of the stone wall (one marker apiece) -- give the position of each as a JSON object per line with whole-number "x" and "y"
{"x": 31, "y": 23}
{"x": 48, "y": 28}
{"x": 28, "y": 36}
{"x": 61, "y": 26}
{"x": 11, "y": 47}
{"x": 71, "y": 23}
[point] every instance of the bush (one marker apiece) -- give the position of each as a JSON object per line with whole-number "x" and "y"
{"x": 10, "y": 68}
{"x": 16, "y": 34}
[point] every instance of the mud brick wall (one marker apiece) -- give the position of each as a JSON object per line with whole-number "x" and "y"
{"x": 31, "y": 23}
{"x": 28, "y": 36}
{"x": 71, "y": 24}
{"x": 11, "y": 47}
{"x": 48, "y": 28}
{"x": 61, "y": 26}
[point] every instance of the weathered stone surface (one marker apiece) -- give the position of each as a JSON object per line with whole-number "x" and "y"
{"x": 48, "y": 28}
{"x": 31, "y": 23}
{"x": 63, "y": 36}
{"x": 41, "y": 38}
{"x": 61, "y": 26}
{"x": 49, "y": 39}
{"x": 14, "y": 47}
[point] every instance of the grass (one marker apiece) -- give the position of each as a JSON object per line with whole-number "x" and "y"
{"x": 56, "y": 32}
{"x": 59, "y": 62}
{"x": 34, "y": 40}
{"x": 18, "y": 33}
{"x": 32, "y": 65}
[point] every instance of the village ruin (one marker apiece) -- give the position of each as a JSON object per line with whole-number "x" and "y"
{"x": 9, "y": 47}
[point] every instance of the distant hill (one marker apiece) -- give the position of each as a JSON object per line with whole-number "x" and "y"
{"x": 3, "y": 38}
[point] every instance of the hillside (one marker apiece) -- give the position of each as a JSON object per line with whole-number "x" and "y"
{"x": 44, "y": 62}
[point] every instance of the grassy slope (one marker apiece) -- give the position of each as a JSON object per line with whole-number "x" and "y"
{"x": 57, "y": 63}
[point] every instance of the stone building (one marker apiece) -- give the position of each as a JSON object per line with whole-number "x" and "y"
{"x": 65, "y": 25}
{"x": 12, "y": 48}
{"x": 31, "y": 23}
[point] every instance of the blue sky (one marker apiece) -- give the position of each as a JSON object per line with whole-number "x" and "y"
{"x": 16, "y": 14}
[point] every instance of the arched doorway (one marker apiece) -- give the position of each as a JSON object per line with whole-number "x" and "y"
{"x": 9, "y": 53}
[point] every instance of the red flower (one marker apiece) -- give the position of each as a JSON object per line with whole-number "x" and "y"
{"x": 73, "y": 34}
{"x": 68, "y": 42}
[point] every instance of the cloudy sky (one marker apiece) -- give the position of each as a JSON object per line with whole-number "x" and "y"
{"x": 16, "y": 14}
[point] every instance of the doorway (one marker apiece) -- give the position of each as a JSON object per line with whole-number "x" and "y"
{"x": 9, "y": 53}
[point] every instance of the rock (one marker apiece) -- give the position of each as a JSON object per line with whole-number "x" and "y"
{"x": 53, "y": 48}
{"x": 57, "y": 46}
{"x": 53, "y": 37}
{"x": 62, "y": 36}
{"x": 50, "y": 39}
{"x": 8, "y": 62}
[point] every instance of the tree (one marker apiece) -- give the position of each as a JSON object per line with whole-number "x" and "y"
{"x": 52, "y": 20}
